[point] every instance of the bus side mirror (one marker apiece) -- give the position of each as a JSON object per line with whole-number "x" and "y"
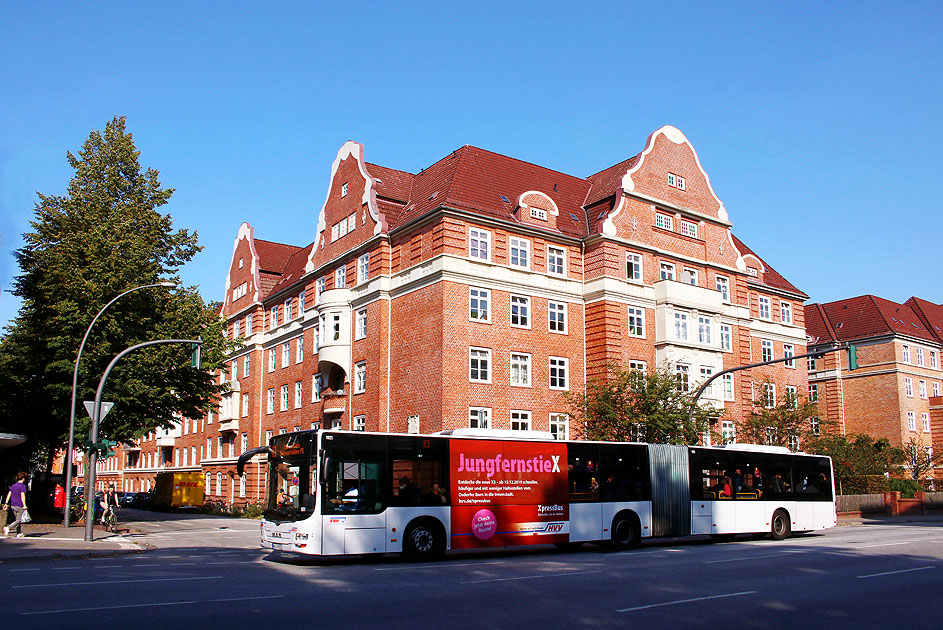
{"x": 322, "y": 471}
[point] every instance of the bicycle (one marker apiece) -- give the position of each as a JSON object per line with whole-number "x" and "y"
{"x": 77, "y": 511}
{"x": 110, "y": 519}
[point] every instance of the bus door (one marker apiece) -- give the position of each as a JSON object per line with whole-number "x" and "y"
{"x": 354, "y": 502}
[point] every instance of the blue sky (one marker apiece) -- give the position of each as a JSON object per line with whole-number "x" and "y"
{"x": 818, "y": 123}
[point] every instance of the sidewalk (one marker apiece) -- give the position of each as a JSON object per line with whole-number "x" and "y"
{"x": 51, "y": 542}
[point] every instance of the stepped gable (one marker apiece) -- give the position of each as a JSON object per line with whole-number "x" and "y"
{"x": 930, "y": 314}
{"x": 771, "y": 277}
{"x": 864, "y": 316}
{"x": 474, "y": 179}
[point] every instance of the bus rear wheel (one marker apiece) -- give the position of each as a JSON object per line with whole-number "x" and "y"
{"x": 625, "y": 532}
{"x": 780, "y": 528}
{"x": 424, "y": 540}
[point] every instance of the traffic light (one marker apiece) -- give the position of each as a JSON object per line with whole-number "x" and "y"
{"x": 852, "y": 357}
{"x": 196, "y": 360}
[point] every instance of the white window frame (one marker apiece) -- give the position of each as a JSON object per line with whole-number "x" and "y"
{"x": 785, "y": 312}
{"x": 479, "y": 244}
{"x": 922, "y": 388}
{"x": 636, "y": 322}
{"x": 270, "y": 408}
{"x": 729, "y": 392}
{"x": 722, "y": 284}
{"x": 925, "y": 417}
{"x": 479, "y": 417}
{"x": 286, "y": 354}
{"x": 726, "y": 337}
{"x": 271, "y": 359}
{"x": 519, "y": 252}
{"x": 340, "y": 277}
{"x": 666, "y": 270}
{"x": 706, "y": 373}
{"x": 683, "y": 374}
{"x": 689, "y": 228}
{"x": 475, "y": 311}
{"x": 911, "y": 420}
{"x": 299, "y": 349}
{"x": 520, "y": 310}
{"x": 273, "y": 318}
{"x": 705, "y": 327}
{"x": 360, "y": 377}
{"x": 289, "y": 311}
{"x": 298, "y": 394}
{"x": 933, "y": 359}
{"x": 664, "y": 221}
{"x": 361, "y": 331}
{"x": 763, "y": 307}
{"x": 769, "y": 395}
{"x": 905, "y": 351}
{"x": 245, "y": 366}
{"x": 789, "y": 350}
{"x": 475, "y": 358}
{"x": 245, "y": 405}
{"x": 316, "y": 387}
{"x": 363, "y": 268}
{"x": 559, "y": 373}
{"x": 556, "y": 260}
{"x": 681, "y": 326}
{"x": 283, "y": 399}
{"x": 766, "y": 350}
{"x": 633, "y": 266}
{"x": 936, "y": 388}
{"x": 639, "y": 366}
{"x": 360, "y": 423}
{"x": 557, "y": 316}
{"x": 813, "y": 392}
{"x": 520, "y": 418}
{"x": 920, "y": 356}
{"x": 909, "y": 386}
{"x": 520, "y": 369}
{"x": 557, "y": 422}
{"x": 728, "y": 432}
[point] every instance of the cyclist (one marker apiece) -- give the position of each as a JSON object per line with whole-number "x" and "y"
{"x": 110, "y": 501}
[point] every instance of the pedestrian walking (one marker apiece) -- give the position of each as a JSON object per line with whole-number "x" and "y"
{"x": 16, "y": 498}
{"x": 58, "y": 501}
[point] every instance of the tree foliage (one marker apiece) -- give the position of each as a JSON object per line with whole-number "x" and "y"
{"x": 919, "y": 458}
{"x": 629, "y": 405}
{"x": 103, "y": 237}
{"x": 858, "y": 455}
{"x": 784, "y": 424}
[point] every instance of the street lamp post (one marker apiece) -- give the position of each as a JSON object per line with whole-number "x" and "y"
{"x": 67, "y": 462}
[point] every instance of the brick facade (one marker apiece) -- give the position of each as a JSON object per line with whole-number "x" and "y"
{"x": 482, "y": 289}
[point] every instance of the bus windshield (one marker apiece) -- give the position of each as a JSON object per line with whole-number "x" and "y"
{"x": 293, "y": 477}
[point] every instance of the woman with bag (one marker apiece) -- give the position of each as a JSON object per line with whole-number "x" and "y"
{"x": 16, "y": 498}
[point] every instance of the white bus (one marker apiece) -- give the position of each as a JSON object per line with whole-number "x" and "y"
{"x": 340, "y": 492}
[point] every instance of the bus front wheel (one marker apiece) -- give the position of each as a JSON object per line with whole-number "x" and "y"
{"x": 424, "y": 540}
{"x": 625, "y": 532}
{"x": 780, "y": 527}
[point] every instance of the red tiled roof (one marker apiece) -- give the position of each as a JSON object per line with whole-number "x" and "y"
{"x": 604, "y": 183}
{"x": 294, "y": 269}
{"x": 931, "y": 315}
{"x": 391, "y": 184}
{"x": 863, "y": 316}
{"x": 771, "y": 277}
{"x": 273, "y": 257}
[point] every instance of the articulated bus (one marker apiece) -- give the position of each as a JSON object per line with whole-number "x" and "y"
{"x": 342, "y": 492}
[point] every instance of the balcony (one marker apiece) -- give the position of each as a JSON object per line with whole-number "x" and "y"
{"x": 334, "y": 401}
{"x": 228, "y": 424}
{"x": 688, "y": 296}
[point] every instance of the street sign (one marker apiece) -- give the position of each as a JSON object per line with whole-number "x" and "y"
{"x": 90, "y": 408}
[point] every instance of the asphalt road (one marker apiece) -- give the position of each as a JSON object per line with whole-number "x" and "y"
{"x": 209, "y": 573}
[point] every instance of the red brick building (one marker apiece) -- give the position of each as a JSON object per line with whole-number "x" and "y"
{"x": 477, "y": 292}
{"x": 895, "y": 390}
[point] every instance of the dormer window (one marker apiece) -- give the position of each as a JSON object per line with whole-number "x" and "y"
{"x": 675, "y": 181}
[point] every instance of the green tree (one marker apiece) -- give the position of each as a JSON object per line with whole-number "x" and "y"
{"x": 858, "y": 456}
{"x": 104, "y": 236}
{"x": 920, "y": 459}
{"x": 784, "y": 423}
{"x": 629, "y": 405}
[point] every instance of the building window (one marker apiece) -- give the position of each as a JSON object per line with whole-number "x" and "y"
{"x": 479, "y": 417}
{"x": 706, "y": 374}
{"x": 909, "y": 386}
{"x": 785, "y": 311}
{"x": 681, "y": 326}
{"x": 689, "y": 229}
{"x": 245, "y": 366}
{"x": 286, "y": 354}
{"x": 936, "y": 388}
{"x": 556, "y": 314}
{"x": 315, "y": 387}
{"x": 764, "y": 307}
{"x": 766, "y": 350}
{"x": 245, "y": 405}
{"x": 919, "y": 352}
{"x": 248, "y": 325}
{"x": 812, "y": 364}
{"x": 906, "y": 351}
{"x": 769, "y": 395}
{"x": 351, "y": 222}
{"x": 815, "y": 425}
{"x": 344, "y": 190}
{"x": 208, "y": 483}
{"x": 298, "y": 397}
{"x": 556, "y": 261}
{"x": 318, "y": 289}
{"x": 301, "y": 303}
{"x": 560, "y": 426}
{"x": 360, "y": 377}
{"x": 479, "y": 244}
{"x": 520, "y": 311}
{"x": 520, "y": 252}
{"x": 273, "y": 317}
{"x": 911, "y": 421}
{"x": 219, "y": 483}
{"x": 723, "y": 285}
{"x": 728, "y": 433}
{"x": 726, "y": 337}
{"x": 363, "y": 268}
{"x": 360, "y": 423}
{"x": 520, "y": 420}
{"x": 704, "y": 325}
{"x": 663, "y": 221}
{"x": 361, "y": 323}
{"x": 933, "y": 361}
{"x": 637, "y": 366}
{"x": 289, "y": 313}
{"x": 479, "y": 365}
{"x": 926, "y": 421}
{"x": 299, "y": 349}
{"x": 284, "y": 399}
{"x": 689, "y": 276}
{"x": 271, "y": 400}
{"x": 479, "y": 301}
{"x": 813, "y": 392}
{"x": 245, "y": 443}
{"x": 242, "y": 485}
{"x": 676, "y": 181}
{"x": 636, "y": 322}
{"x": 727, "y": 380}
{"x": 667, "y": 271}
{"x": 683, "y": 374}
{"x": 788, "y": 351}
{"x": 792, "y": 396}
{"x": 520, "y": 369}
{"x": 340, "y": 277}
{"x": 559, "y": 366}
{"x": 922, "y": 388}
{"x": 633, "y": 266}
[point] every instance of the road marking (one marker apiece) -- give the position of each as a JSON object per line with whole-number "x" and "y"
{"x": 773, "y": 555}
{"x": 531, "y": 577}
{"x": 183, "y": 564}
{"x": 204, "y": 601}
{"x": 906, "y": 542}
{"x": 22, "y": 570}
{"x": 861, "y": 577}
{"x": 686, "y": 601}
{"x": 206, "y": 577}
{"x": 438, "y": 566}
{"x": 67, "y": 568}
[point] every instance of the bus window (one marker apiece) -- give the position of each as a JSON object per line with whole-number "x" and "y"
{"x": 813, "y": 479}
{"x": 712, "y": 474}
{"x": 583, "y": 468}
{"x": 419, "y": 468}
{"x": 354, "y": 486}
{"x": 624, "y": 474}
{"x": 777, "y": 478}
{"x": 746, "y": 478}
